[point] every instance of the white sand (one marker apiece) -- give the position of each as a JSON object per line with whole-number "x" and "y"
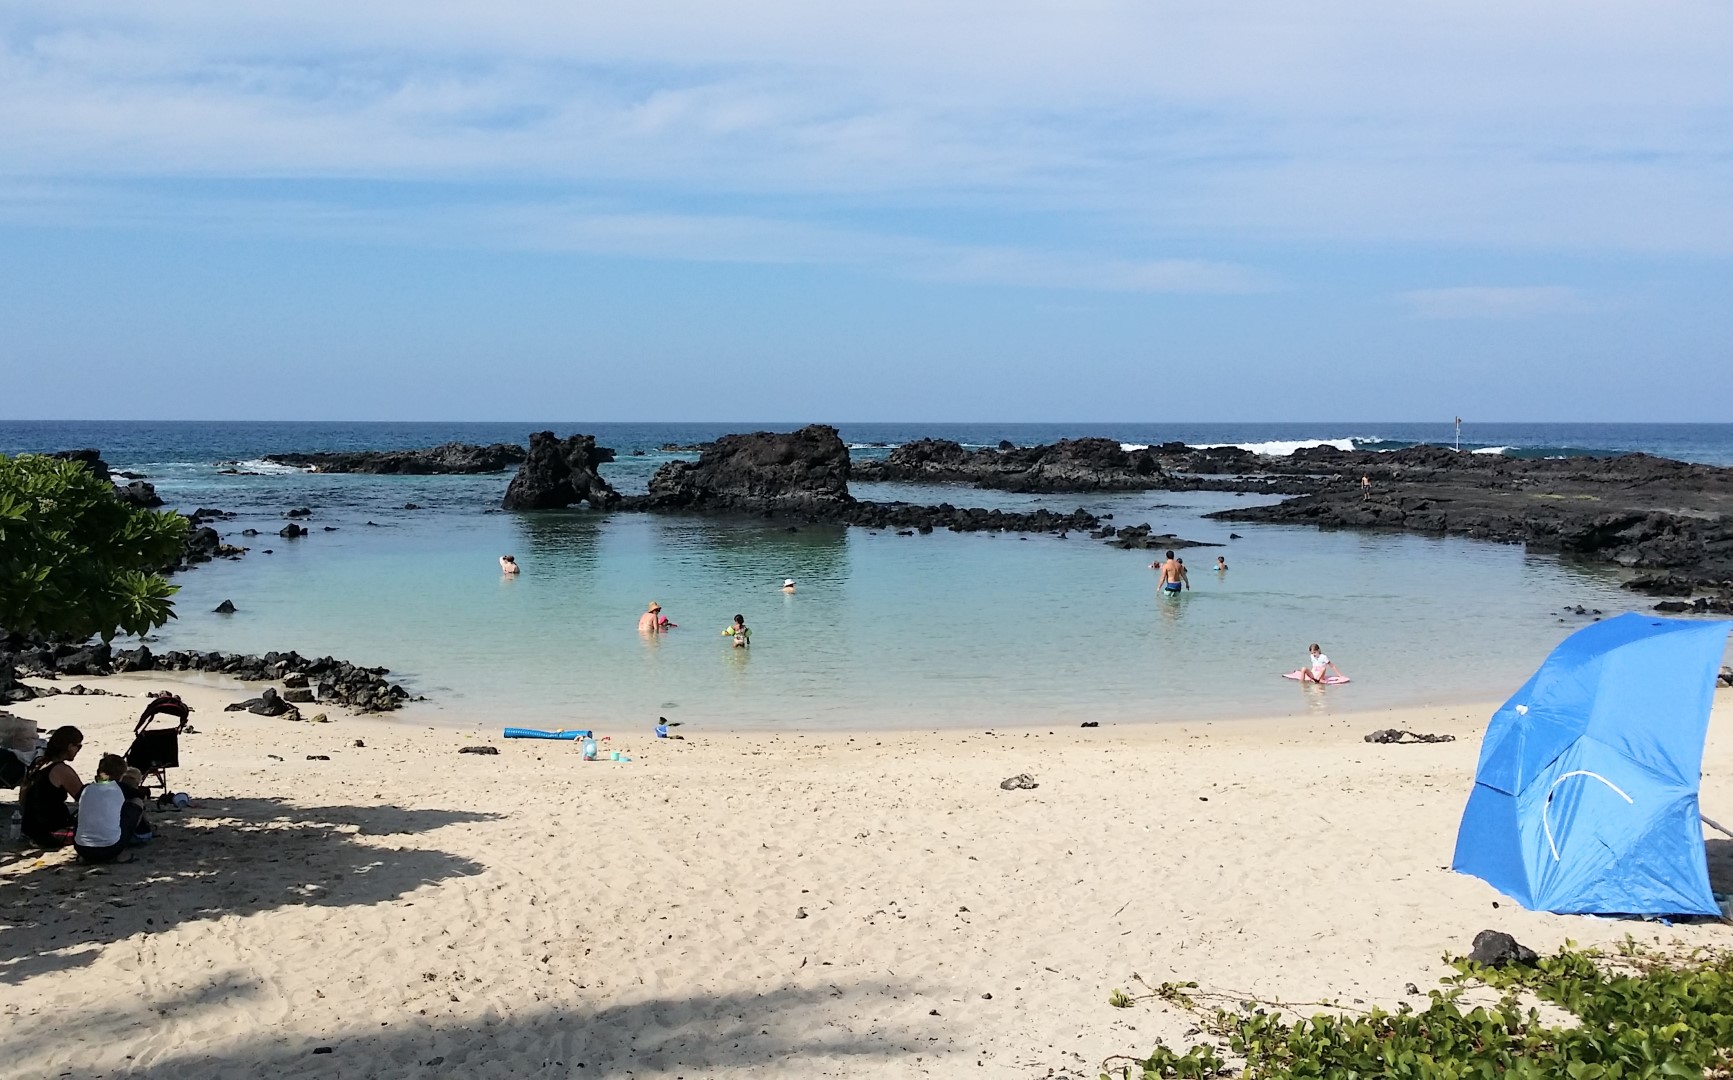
{"x": 425, "y": 913}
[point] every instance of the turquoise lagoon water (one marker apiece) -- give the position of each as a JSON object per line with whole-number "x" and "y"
{"x": 884, "y": 630}
{"x": 974, "y": 629}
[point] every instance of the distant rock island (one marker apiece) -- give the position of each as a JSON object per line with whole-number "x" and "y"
{"x": 453, "y": 457}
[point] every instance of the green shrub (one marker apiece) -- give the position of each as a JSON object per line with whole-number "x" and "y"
{"x": 1642, "y": 1016}
{"x": 76, "y": 562}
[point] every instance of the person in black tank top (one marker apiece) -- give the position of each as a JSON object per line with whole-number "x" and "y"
{"x": 47, "y": 788}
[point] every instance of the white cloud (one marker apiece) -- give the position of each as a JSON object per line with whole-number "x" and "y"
{"x": 1554, "y": 126}
{"x": 1492, "y": 301}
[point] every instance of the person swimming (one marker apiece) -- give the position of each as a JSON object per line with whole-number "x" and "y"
{"x": 1221, "y": 564}
{"x": 788, "y": 585}
{"x": 739, "y": 631}
{"x": 651, "y": 621}
{"x": 508, "y": 564}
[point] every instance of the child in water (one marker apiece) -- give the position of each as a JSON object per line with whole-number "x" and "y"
{"x": 739, "y": 632}
{"x": 1318, "y": 666}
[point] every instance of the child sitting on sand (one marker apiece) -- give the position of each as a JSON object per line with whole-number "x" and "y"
{"x": 108, "y": 817}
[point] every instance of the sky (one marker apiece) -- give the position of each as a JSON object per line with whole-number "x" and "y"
{"x": 1085, "y": 210}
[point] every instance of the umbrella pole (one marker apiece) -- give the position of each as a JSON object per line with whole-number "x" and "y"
{"x": 1722, "y": 829}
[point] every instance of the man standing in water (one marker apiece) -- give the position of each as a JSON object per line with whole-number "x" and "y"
{"x": 1173, "y": 576}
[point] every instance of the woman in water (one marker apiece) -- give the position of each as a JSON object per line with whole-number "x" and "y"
{"x": 48, "y": 820}
{"x": 508, "y": 564}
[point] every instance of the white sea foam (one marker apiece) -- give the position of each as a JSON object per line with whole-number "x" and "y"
{"x": 265, "y": 468}
{"x": 1133, "y": 447}
{"x": 1494, "y": 450}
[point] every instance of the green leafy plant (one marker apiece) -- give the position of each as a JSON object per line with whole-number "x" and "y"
{"x": 1119, "y": 999}
{"x": 1642, "y": 1016}
{"x": 75, "y": 562}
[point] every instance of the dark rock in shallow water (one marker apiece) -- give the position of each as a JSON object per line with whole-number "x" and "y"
{"x": 299, "y": 512}
{"x": 139, "y": 494}
{"x": 558, "y": 473}
{"x": 1068, "y": 465}
{"x": 446, "y": 458}
{"x": 291, "y": 531}
{"x": 1139, "y": 537}
{"x": 804, "y": 475}
{"x": 227, "y": 607}
{"x": 202, "y": 545}
{"x": 805, "y": 471}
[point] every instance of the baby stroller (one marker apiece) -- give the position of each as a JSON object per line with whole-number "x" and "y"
{"x": 154, "y": 751}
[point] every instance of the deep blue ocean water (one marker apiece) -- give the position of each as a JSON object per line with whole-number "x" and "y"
{"x": 883, "y": 630}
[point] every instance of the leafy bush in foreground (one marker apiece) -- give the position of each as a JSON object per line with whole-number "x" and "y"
{"x": 76, "y": 562}
{"x": 1641, "y": 1015}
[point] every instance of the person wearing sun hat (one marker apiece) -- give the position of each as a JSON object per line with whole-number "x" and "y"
{"x": 651, "y": 621}
{"x": 787, "y": 584}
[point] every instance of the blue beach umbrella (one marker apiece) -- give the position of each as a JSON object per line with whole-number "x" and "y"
{"x": 1585, "y": 798}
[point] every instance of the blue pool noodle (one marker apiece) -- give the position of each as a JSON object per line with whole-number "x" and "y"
{"x": 532, "y": 733}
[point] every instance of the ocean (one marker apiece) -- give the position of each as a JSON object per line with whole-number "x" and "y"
{"x": 883, "y": 631}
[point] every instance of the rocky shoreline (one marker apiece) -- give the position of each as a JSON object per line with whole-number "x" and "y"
{"x": 323, "y": 680}
{"x": 1672, "y": 519}
{"x": 1634, "y": 511}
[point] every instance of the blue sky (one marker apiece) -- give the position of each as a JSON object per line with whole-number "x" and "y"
{"x": 1088, "y": 210}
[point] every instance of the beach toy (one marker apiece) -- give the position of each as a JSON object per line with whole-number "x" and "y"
{"x": 1329, "y": 680}
{"x": 661, "y": 731}
{"x": 588, "y": 747}
{"x": 534, "y": 733}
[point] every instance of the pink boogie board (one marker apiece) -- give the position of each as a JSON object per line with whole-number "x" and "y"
{"x": 1329, "y": 680}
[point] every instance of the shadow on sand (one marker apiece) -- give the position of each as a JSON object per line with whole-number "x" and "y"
{"x": 693, "y": 1036}
{"x": 1720, "y": 855}
{"x": 228, "y": 857}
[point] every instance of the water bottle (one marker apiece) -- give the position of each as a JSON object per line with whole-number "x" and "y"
{"x": 15, "y": 827}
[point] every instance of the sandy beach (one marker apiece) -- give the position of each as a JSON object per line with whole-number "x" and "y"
{"x": 358, "y": 899}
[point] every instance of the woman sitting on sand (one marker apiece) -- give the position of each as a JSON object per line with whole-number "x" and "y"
{"x": 108, "y": 814}
{"x": 51, "y": 781}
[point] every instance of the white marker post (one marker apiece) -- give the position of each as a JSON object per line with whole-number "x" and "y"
{"x": 1459, "y": 434}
